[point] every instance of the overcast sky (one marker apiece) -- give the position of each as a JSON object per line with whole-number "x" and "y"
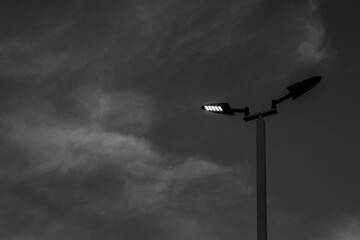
{"x": 102, "y": 135}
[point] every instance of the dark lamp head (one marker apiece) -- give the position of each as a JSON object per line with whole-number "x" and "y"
{"x": 298, "y": 89}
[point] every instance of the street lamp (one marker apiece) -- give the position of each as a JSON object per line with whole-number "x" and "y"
{"x": 295, "y": 91}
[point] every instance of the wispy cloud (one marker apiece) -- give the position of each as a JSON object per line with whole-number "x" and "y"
{"x": 348, "y": 229}
{"x": 97, "y": 173}
{"x": 313, "y": 48}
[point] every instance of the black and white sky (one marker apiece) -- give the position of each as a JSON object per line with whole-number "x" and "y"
{"x": 102, "y": 135}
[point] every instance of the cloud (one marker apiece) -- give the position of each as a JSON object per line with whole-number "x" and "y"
{"x": 167, "y": 35}
{"x": 29, "y": 28}
{"x": 313, "y": 49}
{"x": 97, "y": 106}
{"x": 67, "y": 176}
{"x": 122, "y": 111}
{"x": 349, "y": 229}
{"x": 194, "y": 30}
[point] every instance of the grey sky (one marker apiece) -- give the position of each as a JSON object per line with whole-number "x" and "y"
{"x": 103, "y": 136}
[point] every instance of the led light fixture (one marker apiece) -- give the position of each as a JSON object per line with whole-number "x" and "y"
{"x": 222, "y": 108}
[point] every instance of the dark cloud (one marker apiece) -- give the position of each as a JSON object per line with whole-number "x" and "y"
{"x": 100, "y": 136}
{"x": 68, "y": 178}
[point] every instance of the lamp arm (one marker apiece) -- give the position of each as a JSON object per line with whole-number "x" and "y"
{"x": 274, "y": 102}
{"x": 244, "y": 110}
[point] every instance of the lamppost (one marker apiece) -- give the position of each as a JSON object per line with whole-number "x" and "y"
{"x": 295, "y": 91}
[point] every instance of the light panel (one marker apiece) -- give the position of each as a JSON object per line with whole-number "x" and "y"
{"x": 221, "y": 108}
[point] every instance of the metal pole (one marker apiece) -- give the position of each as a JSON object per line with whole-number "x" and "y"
{"x": 261, "y": 179}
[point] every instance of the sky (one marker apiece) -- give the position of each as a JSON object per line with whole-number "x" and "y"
{"x": 103, "y": 136}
